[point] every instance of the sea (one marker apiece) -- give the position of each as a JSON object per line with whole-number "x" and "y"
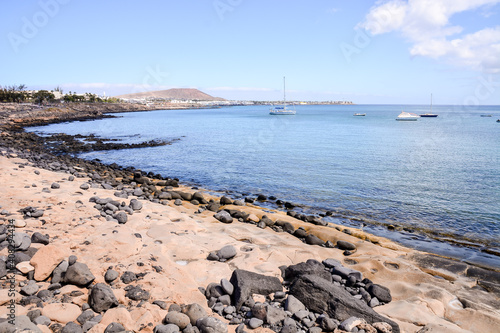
{"x": 431, "y": 184}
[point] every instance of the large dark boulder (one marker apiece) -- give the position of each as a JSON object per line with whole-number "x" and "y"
{"x": 79, "y": 274}
{"x": 321, "y": 296}
{"x": 310, "y": 267}
{"x": 101, "y": 298}
{"x": 247, "y": 283}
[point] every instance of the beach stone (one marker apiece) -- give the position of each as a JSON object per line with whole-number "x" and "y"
{"x": 59, "y": 271}
{"x": 194, "y": 311}
{"x": 330, "y": 263}
{"x": 213, "y": 256}
{"x": 314, "y": 240}
{"x": 211, "y": 325}
{"x": 322, "y": 296}
{"x": 135, "y": 204}
{"x": 46, "y": 260}
{"x": 19, "y": 223}
{"x": 85, "y": 186}
{"x": 72, "y": 327}
{"x": 300, "y": 233}
{"x": 329, "y": 324}
{"x": 33, "y": 314}
{"x": 178, "y": 202}
{"x": 382, "y": 327}
{"x": 42, "y": 320}
{"x": 345, "y": 272}
{"x": 289, "y": 328}
{"x": 247, "y": 283}
{"x": 24, "y": 267}
{"x": 225, "y": 201}
{"x": 121, "y": 217}
{"x": 310, "y": 267}
{"x": 114, "y": 328}
{"x": 102, "y": 298}
{"x": 198, "y": 196}
{"x": 227, "y": 286}
{"x": 21, "y": 241}
{"x": 343, "y": 245}
{"x": 274, "y": 316}
{"x": 85, "y": 316}
{"x": 3, "y": 268}
{"x": 224, "y": 217}
{"x": 61, "y": 312}
{"x": 87, "y": 326}
{"x": 227, "y": 252}
{"x": 177, "y": 318}
{"x": 255, "y": 322}
{"x": 137, "y": 294}
{"x": 383, "y": 294}
{"x": 238, "y": 203}
{"x": 110, "y": 275}
{"x": 293, "y": 305}
{"x": 55, "y": 186}
{"x": 350, "y": 323}
{"x": 37, "y": 237}
{"x": 225, "y": 300}
{"x": 374, "y": 302}
{"x": 79, "y": 274}
{"x": 23, "y": 324}
{"x": 128, "y": 277}
{"x": 169, "y": 328}
{"x": 30, "y": 288}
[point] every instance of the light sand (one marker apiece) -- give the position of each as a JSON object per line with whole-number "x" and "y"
{"x": 178, "y": 240}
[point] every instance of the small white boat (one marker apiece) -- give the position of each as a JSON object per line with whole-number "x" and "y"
{"x": 430, "y": 114}
{"x": 407, "y": 116}
{"x": 360, "y": 114}
{"x": 281, "y": 110}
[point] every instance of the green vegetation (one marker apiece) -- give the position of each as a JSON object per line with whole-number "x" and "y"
{"x": 19, "y": 94}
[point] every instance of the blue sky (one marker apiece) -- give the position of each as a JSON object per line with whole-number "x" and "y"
{"x": 381, "y": 52}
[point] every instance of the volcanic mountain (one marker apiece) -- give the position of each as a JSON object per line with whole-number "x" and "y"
{"x": 174, "y": 93}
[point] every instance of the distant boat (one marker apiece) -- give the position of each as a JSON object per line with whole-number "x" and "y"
{"x": 486, "y": 115}
{"x": 430, "y": 114}
{"x": 498, "y": 120}
{"x": 360, "y": 114}
{"x": 281, "y": 110}
{"x": 407, "y": 116}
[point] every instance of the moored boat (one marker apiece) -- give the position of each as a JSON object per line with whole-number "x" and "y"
{"x": 429, "y": 114}
{"x": 360, "y": 114}
{"x": 281, "y": 110}
{"x": 407, "y": 116}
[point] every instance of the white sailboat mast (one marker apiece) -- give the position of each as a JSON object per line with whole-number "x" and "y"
{"x": 431, "y": 103}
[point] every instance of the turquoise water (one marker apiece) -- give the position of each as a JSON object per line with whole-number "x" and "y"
{"x": 436, "y": 177}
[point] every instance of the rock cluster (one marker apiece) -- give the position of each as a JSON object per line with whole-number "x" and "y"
{"x": 313, "y": 297}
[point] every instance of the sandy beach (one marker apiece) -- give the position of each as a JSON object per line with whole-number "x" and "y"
{"x": 166, "y": 244}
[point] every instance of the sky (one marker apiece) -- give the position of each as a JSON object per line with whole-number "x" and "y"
{"x": 367, "y": 52}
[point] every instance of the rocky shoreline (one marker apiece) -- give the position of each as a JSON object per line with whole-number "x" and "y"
{"x": 75, "y": 287}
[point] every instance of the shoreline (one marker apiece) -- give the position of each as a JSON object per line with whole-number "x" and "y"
{"x": 395, "y": 261}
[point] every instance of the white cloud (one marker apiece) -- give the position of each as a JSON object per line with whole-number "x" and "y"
{"x": 426, "y": 24}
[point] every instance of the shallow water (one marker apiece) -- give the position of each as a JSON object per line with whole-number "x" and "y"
{"x": 436, "y": 176}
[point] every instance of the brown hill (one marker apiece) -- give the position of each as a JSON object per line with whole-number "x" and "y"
{"x": 175, "y": 93}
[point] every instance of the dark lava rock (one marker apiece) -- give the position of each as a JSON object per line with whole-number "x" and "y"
{"x": 211, "y": 325}
{"x": 213, "y": 206}
{"x": 110, "y": 275}
{"x": 137, "y": 294}
{"x": 39, "y": 238}
{"x": 247, "y": 283}
{"x": 121, "y": 217}
{"x": 343, "y": 245}
{"x": 300, "y": 233}
{"x": 55, "y": 186}
{"x": 261, "y": 197}
{"x": 114, "y": 327}
{"x": 227, "y": 252}
{"x": 225, "y": 201}
{"x": 310, "y": 267}
{"x": 101, "y": 298}
{"x": 79, "y": 274}
{"x": 72, "y": 327}
{"x": 128, "y": 277}
{"x": 322, "y": 296}
{"x": 314, "y": 240}
{"x": 224, "y": 217}
{"x": 382, "y": 293}
{"x": 194, "y": 311}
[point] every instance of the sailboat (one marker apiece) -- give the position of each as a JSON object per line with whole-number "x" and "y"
{"x": 429, "y": 115}
{"x": 282, "y": 110}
